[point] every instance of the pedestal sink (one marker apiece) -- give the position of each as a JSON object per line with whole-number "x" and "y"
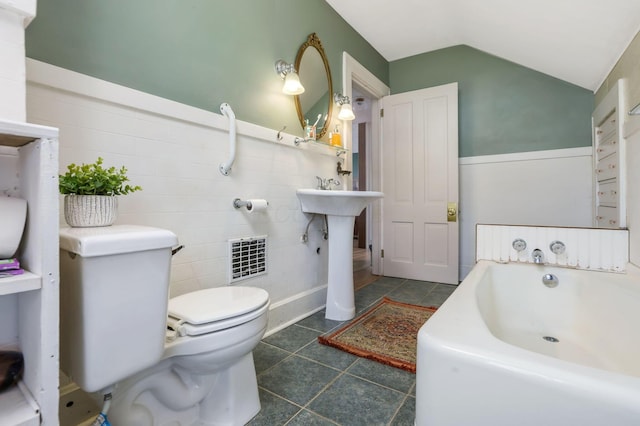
{"x": 341, "y": 208}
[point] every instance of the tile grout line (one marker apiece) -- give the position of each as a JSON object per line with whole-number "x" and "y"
{"x": 404, "y": 400}
{"x": 329, "y": 384}
{"x": 300, "y": 408}
{"x": 289, "y": 355}
{"x": 378, "y": 384}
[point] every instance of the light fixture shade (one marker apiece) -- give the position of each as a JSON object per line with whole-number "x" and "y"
{"x": 346, "y": 112}
{"x": 292, "y": 85}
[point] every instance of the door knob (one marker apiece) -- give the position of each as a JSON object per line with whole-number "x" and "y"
{"x": 452, "y": 212}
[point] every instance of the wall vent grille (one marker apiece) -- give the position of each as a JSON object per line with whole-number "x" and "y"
{"x": 248, "y": 257}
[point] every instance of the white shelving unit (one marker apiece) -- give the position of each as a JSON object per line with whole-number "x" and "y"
{"x": 29, "y": 310}
{"x": 609, "y": 159}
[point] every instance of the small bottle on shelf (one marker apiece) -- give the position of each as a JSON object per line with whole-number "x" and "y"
{"x": 307, "y": 129}
{"x": 335, "y": 138}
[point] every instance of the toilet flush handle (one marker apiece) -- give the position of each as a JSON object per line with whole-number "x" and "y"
{"x": 177, "y": 249}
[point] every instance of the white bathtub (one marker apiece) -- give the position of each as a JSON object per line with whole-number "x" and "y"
{"x": 483, "y": 360}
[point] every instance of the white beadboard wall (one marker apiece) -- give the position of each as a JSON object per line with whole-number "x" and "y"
{"x": 545, "y": 188}
{"x": 173, "y": 151}
{"x": 592, "y": 249}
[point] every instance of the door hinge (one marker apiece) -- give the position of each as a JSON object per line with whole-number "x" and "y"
{"x": 381, "y": 112}
{"x": 382, "y": 253}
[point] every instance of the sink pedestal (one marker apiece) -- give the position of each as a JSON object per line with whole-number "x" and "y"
{"x": 341, "y": 208}
{"x": 340, "y": 292}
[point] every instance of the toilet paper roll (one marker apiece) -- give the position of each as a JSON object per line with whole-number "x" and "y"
{"x": 256, "y": 206}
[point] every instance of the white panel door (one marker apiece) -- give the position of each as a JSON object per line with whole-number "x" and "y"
{"x": 420, "y": 181}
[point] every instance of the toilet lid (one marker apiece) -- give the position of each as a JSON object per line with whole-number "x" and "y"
{"x": 216, "y": 304}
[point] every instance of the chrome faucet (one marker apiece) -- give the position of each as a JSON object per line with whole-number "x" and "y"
{"x": 325, "y": 184}
{"x": 538, "y": 256}
{"x": 550, "y": 280}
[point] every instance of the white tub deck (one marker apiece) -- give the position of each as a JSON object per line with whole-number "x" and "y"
{"x": 483, "y": 359}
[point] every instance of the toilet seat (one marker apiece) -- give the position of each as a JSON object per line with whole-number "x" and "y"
{"x": 209, "y": 310}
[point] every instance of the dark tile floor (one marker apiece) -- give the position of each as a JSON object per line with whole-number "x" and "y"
{"x": 304, "y": 383}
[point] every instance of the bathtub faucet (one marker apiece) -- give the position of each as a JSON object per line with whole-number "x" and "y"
{"x": 538, "y": 256}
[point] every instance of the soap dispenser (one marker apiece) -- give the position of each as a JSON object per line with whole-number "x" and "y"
{"x": 336, "y": 139}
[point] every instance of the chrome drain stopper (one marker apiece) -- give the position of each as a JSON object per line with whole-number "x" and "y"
{"x": 550, "y": 339}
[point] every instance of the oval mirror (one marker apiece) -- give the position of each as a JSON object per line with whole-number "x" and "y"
{"x": 315, "y": 76}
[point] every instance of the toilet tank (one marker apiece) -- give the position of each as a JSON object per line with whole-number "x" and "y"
{"x": 114, "y": 289}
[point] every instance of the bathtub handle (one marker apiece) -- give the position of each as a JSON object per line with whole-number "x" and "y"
{"x": 557, "y": 247}
{"x": 519, "y": 244}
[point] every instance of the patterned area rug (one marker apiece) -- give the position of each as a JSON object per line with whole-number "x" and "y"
{"x": 387, "y": 333}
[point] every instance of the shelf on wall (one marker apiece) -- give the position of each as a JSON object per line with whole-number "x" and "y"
{"x": 18, "y": 407}
{"x": 15, "y": 141}
{"x": 17, "y": 134}
{"x": 324, "y": 145}
{"x": 20, "y": 283}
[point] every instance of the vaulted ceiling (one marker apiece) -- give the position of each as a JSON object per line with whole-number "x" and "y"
{"x": 578, "y": 41}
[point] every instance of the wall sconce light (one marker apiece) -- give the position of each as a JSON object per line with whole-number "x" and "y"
{"x": 292, "y": 85}
{"x": 346, "y": 112}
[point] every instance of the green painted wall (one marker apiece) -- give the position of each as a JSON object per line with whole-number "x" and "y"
{"x": 205, "y": 52}
{"x": 503, "y": 107}
{"x": 197, "y": 52}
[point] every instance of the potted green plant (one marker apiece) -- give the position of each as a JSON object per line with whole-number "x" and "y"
{"x": 91, "y": 193}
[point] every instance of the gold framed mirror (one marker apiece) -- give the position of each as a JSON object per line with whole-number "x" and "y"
{"x": 315, "y": 76}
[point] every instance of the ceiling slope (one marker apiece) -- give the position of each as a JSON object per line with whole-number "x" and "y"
{"x": 578, "y": 41}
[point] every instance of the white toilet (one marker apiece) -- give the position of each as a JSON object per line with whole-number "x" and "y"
{"x": 185, "y": 362}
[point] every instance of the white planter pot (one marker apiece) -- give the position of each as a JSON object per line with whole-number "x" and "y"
{"x": 82, "y": 211}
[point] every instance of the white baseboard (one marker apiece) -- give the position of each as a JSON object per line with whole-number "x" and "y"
{"x": 292, "y": 309}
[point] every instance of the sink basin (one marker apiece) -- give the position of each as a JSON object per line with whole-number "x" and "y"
{"x": 336, "y": 203}
{"x": 341, "y": 208}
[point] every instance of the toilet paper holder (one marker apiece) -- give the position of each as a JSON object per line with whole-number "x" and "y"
{"x": 239, "y": 203}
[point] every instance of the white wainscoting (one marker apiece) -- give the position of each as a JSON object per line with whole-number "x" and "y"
{"x": 547, "y": 188}
{"x": 173, "y": 151}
